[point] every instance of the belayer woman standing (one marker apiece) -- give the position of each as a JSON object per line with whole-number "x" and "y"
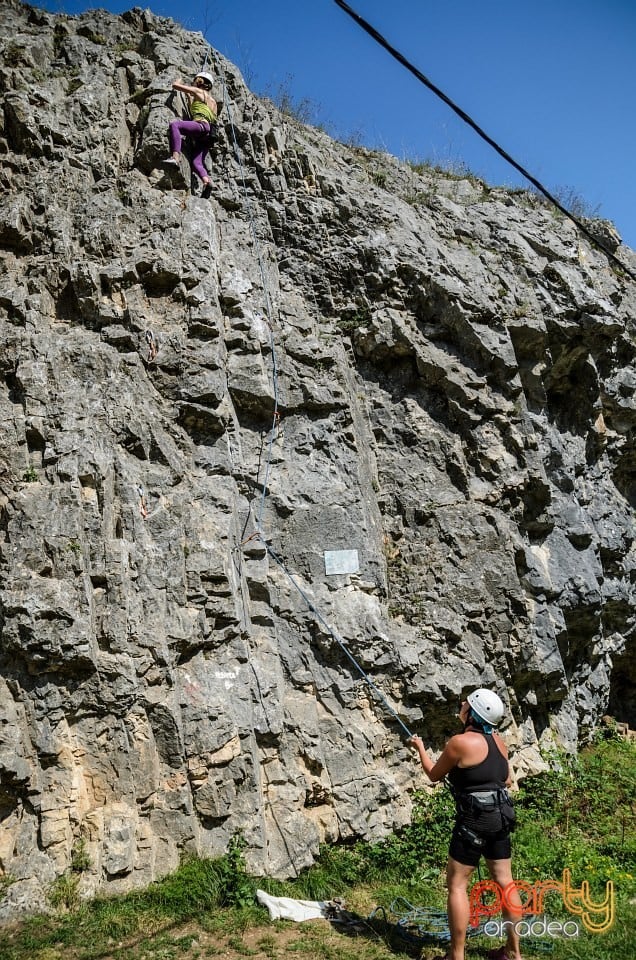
{"x": 476, "y": 765}
{"x": 203, "y": 112}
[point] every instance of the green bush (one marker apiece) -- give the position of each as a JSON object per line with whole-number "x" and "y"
{"x": 417, "y": 849}
{"x": 64, "y": 892}
{"x": 235, "y": 888}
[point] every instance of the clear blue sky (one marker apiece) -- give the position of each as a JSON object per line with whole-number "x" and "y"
{"x": 552, "y": 81}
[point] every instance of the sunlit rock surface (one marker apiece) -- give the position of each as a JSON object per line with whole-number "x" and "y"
{"x": 453, "y": 367}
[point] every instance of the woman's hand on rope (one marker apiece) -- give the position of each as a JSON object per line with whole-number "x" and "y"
{"x": 437, "y": 770}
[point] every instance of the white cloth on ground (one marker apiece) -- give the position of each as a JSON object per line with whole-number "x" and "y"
{"x": 285, "y": 908}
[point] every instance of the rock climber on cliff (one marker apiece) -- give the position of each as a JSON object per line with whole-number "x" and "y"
{"x": 199, "y": 129}
{"x": 475, "y": 763}
{"x": 152, "y": 345}
{"x": 143, "y": 506}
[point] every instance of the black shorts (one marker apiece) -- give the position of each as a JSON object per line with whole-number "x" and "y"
{"x": 496, "y": 846}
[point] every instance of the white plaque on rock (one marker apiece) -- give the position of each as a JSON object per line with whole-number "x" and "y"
{"x": 341, "y": 561}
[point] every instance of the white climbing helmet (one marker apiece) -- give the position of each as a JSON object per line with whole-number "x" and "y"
{"x": 487, "y": 705}
{"x": 205, "y": 76}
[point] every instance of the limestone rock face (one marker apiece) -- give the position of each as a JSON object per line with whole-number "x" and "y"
{"x": 352, "y": 355}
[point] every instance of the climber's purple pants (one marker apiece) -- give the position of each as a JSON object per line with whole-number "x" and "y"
{"x": 199, "y": 134}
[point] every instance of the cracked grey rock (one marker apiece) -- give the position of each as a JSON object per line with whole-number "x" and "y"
{"x": 352, "y": 354}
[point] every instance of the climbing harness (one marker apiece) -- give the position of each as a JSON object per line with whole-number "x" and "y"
{"x": 484, "y": 801}
{"x": 383, "y": 42}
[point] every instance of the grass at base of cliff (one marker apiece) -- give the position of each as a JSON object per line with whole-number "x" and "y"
{"x": 580, "y": 816}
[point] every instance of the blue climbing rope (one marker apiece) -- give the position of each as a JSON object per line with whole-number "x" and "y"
{"x": 316, "y": 612}
{"x": 268, "y": 301}
{"x": 258, "y": 533}
{"x": 414, "y": 925}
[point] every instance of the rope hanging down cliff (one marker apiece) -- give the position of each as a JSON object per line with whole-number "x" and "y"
{"x": 268, "y": 305}
{"x": 258, "y": 521}
{"x": 383, "y": 42}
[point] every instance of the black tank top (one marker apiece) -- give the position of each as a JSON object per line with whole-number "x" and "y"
{"x": 490, "y": 774}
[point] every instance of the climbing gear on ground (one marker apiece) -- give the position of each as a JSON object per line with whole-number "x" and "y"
{"x": 417, "y": 926}
{"x": 487, "y": 705}
{"x": 335, "y": 907}
{"x": 336, "y": 912}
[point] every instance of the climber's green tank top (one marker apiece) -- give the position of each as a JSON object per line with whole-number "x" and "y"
{"x": 201, "y": 112}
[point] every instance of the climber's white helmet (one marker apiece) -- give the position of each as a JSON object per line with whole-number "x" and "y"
{"x": 487, "y": 705}
{"x": 205, "y": 76}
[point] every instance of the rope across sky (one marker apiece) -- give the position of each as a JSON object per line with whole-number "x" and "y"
{"x": 377, "y": 36}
